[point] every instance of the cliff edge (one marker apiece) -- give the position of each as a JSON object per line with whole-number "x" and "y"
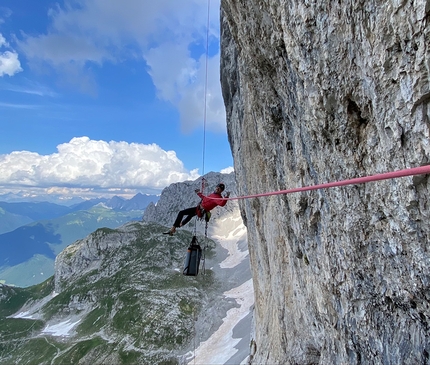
{"x": 321, "y": 91}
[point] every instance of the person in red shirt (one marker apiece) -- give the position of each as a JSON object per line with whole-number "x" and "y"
{"x": 205, "y": 205}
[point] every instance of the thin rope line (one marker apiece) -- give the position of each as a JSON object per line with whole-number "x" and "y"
{"x": 195, "y": 333}
{"x": 359, "y": 180}
{"x": 206, "y": 89}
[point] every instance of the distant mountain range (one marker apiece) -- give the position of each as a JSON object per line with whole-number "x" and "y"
{"x": 23, "y": 197}
{"x": 32, "y": 234}
{"x": 14, "y": 215}
{"x": 138, "y": 202}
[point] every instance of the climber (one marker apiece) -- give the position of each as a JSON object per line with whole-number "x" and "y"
{"x": 202, "y": 210}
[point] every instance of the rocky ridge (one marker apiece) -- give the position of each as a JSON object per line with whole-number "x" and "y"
{"x": 320, "y": 91}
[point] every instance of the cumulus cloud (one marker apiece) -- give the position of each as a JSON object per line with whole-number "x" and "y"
{"x": 227, "y": 170}
{"x": 9, "y": 62}
{"x": 170, "y": 35}
{"x": 88, "y": 164}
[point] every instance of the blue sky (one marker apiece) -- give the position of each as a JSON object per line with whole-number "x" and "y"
{"x": 102, "y": 97}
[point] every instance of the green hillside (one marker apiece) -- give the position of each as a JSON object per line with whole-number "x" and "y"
{"x": 11, "y": 221}
{"x": 28, "y": 253}
{"x": 131, "y": 303}
{"x": 14, "y": 215}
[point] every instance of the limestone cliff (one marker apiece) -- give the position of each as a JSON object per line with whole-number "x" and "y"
{"x": 319, "y": 91}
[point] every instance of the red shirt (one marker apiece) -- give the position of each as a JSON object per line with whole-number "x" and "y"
{"x": 208, "y": 204}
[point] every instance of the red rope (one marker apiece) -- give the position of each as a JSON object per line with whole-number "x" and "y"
{"x": 359, "y": 180}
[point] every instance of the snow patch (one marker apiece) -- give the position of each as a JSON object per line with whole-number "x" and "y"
{"x": 25, "y": 315}
{"x": 230, "y": 243}
{"x": 60, "y": 329}
{"x": 230, "y": 232}
{"x": 219, "y": 348}
{"x": 30, "y": 311}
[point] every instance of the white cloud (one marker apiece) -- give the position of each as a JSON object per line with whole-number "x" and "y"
{"x": 62, "y": 49}
{"x": 165, "y": 33}
{"x": 88, "y": 164}
{"x": 171, "y": 70}
{"x": 29, "y": 87}
{"x": 227, "y": 170}
{"x": 192, "y": 103}
{"x": 181, "y": 80}
{"x": 18, "y": 106}
{"x": 9, "y": 63}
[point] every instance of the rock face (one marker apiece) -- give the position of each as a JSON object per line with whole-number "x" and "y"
{"x": 319, "y": 91}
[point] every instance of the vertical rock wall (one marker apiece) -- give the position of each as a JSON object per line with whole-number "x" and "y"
{"x": 319, "y": 91}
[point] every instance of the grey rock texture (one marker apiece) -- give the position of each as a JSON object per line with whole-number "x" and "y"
{"x": 319, "y": 91}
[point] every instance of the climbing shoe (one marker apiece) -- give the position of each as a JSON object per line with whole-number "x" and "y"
{"x": 171, "y": 231}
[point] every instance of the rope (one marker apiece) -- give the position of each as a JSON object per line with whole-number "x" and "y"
{"x": 359, "y": 180}
{"x": 203, "y": 158}
{"x": 195, "y": 333}
{"x": 203, "y": 185}
{"x": 195, "y": 226}
{"x": 206, "y": 90}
